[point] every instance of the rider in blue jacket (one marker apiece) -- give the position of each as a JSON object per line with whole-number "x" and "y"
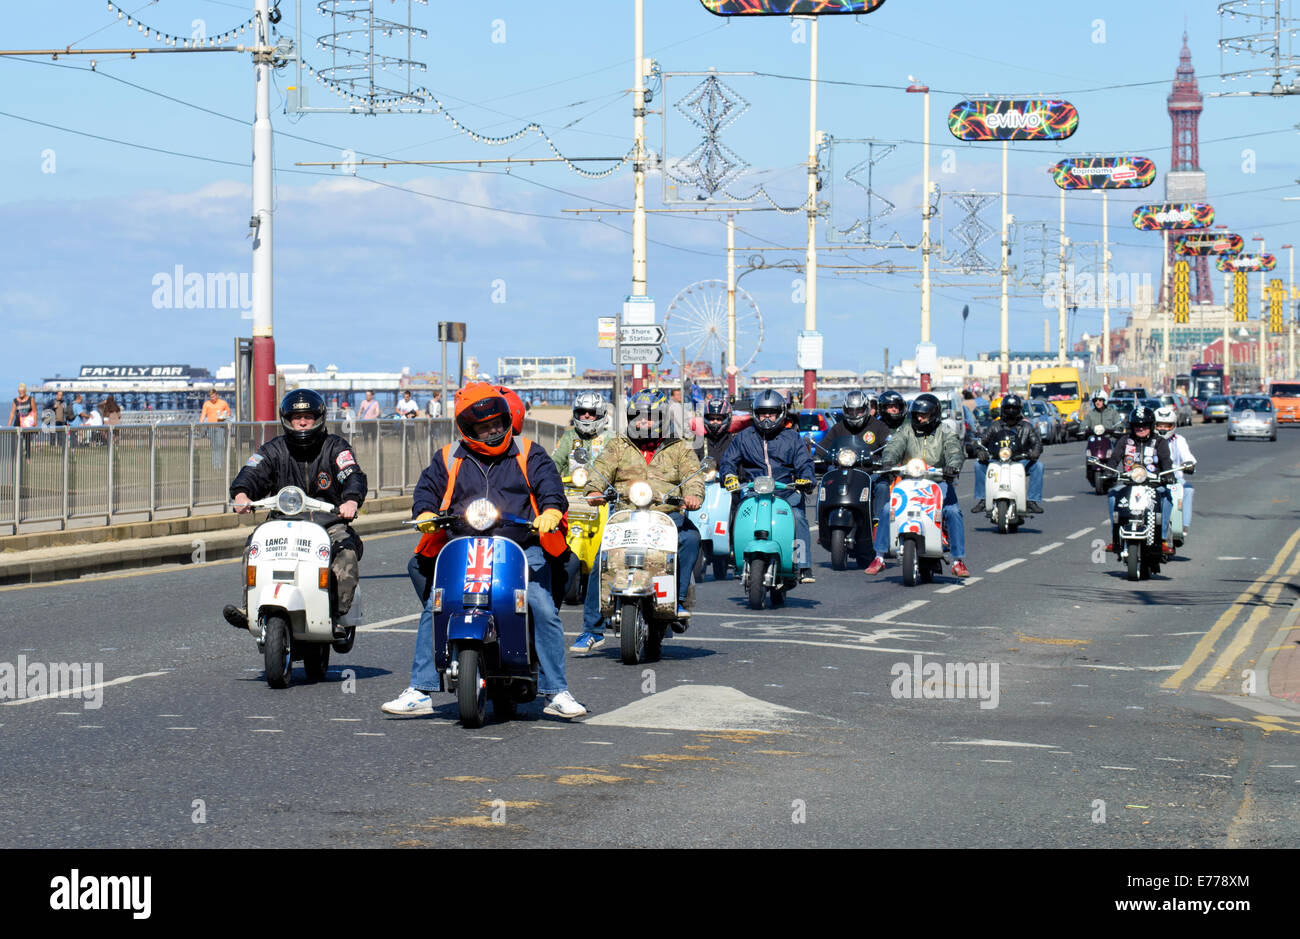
{"x": 768, "y": 448}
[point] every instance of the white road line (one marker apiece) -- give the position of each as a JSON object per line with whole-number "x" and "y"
{"x": 264, "y": 730}
{"x": 836, "y": 645}
{"x": 660, "y": 733}
{"x": 905, "y": 608}
{"x": 260, "y": 717}
{"x": 1081, "y": 532}
{"x": 1131, "y": 769}
{"x": 1130, "y": 668}
{"x": 90, "y": 727}
{"x": 1171, "y": 759}
{"x": 999, "y": 568}
{"x": 1231, "y": 559}
{"x": 1281, "y": 766}
{"x": 997, "y": 761}
{"x": 371, "y": 627}
{"x": 171, "y": 715}
{"x": 363, "y": 733}
{"x": 599, "y": 743}
{"x": 953, "y": 588}
{"x": 1047, "y": 547}
{"x": 999, "y": 743}
{"x": 349, "y": 720}
{"x": 182, "y": 728}
{"x": 1213, "y": 776}
{"x": 81, "y": 690}
{"x": 486, "y": 738}
{"x": 1058, "y": 498}
{"x": 1201, "y": 632}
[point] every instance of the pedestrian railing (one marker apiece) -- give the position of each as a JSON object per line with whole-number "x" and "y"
{"x": 63, "y": 477}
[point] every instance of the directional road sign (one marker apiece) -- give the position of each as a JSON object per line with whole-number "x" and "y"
{"x": 641, "y": 355}
{"x": 641, "y": 335}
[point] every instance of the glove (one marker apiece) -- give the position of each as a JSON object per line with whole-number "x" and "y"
{"x": 804, "y": 485}
{"x": 548, "y": 521}
{"x": 730, "y": 483}
{"x": 949, "y": 473}
{"x": 426, "y": 524}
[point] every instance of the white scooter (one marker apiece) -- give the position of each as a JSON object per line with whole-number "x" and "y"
{"x": 916, "y": 510}
{"x": 1004, "y": 487}
{"x": 291, "y": 592}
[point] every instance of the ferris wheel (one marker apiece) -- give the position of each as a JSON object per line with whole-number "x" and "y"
{"x": 696, "y": 321}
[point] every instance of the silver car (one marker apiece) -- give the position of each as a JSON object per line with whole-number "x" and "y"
{"x": 1048, "y": 420}
{"x": 1252, "y": 416}
{"x": 1217, "y": 409}
{"x": 1182, "y": 407}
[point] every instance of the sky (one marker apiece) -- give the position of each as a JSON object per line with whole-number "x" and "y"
{"x": 119, "y": 175}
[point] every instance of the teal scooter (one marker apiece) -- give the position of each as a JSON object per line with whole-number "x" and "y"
{"x": 762, "y": 545}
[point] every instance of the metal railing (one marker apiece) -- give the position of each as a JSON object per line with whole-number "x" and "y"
{"x": 63, "y": 477}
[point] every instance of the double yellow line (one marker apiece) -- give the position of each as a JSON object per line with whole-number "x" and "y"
{"x": 1272, "y": 583}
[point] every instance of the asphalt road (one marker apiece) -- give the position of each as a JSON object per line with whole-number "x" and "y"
{"x": 1120, "y": 718}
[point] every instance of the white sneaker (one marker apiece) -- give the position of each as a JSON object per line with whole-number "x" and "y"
{"x": 564, "y": 705}
{"x": 409, "y": 702}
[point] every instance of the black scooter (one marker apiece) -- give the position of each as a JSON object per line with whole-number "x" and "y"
{"x": 844, "y": 501}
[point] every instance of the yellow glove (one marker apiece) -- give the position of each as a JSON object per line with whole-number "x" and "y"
{"x": 804, "y": 485}
{"x": 548, "y": 521}
{"x": 425, "y": 522}
{"x": 730, "y": 483}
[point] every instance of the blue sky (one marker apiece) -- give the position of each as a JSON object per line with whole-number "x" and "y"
{"x": 365, "y": 266}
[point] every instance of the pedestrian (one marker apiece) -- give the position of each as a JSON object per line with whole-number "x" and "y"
{"x": 216, "y": 411}
{"x": 676, "y": 415}
{"x": 435, "y": 405}
{"x": 369, "y": 410}
{"x": 407, "y": 406}
{"x": 92, "y": 418}
{"x": 112, "y": 414}
{"x": 22, "y": 414}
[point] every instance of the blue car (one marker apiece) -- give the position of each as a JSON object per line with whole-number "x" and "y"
{"x": 814, "y": 425}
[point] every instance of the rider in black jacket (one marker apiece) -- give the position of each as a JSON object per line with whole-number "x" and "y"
{"x": 1142, "y": 445}
{"x": 717, "y": 428}
{"x": 323, "y": 466}
{"x": 1026, "y": 446}
{"x": 863, "y": 433}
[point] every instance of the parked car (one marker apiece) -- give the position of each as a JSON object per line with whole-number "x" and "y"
{"x": 1252, "y": 416}
{"x": 1137, "y": 392}
{"x": 1044, "y": 416}
{"x": 1217, "y": 408}
{"x": 1182, "y": 406}
{"x": 813, "y": 425}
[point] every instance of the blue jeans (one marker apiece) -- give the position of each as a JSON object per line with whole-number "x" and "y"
{"x": 1166, "y": 509}
{"x": 688, "y": 551}
{"x": 1033, "y": 479}
{"x": 548, "y": 633}
{"x": 1188, "y": 492}
{"x": 952, "y": 522}
{"x": 802, "y": 530}
{"x": 881, "y": 487}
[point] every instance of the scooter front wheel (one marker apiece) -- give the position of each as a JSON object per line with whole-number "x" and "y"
{"x": 632, "y": 632}
{"x": 1003, "y": 525}
{"x": 757, "y": 570}
{"x": 471, "y": 688}
{"x": 839, "y": 550}
{"x": 1134, "y": 562}
{"x": 911, "y": 564}
{"x": 277, "y": 653}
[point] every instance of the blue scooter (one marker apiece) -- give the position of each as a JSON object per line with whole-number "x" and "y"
{"x": 711, "y": 519}
{"x": 482, "y": 627}
{"x": 763, "y": 542}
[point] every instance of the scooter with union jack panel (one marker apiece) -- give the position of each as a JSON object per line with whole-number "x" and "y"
{"x": 916, "y": 511}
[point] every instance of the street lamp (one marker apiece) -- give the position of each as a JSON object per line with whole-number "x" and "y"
{"x": 1262, "y": 317}
{"x": 917, "y": 88}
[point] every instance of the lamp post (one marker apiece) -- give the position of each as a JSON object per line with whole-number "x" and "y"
{"x": 1263, "y": 317}
{"x": 924, "y": 90}
{"x": 1290, "y": 323}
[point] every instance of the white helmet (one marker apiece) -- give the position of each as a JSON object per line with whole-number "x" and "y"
{"x": 588, "y": 403}
{"x": 1100, "y": 393}
{"x": 1165, "y": 416}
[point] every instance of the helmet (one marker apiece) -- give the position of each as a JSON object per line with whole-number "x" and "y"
{"x": 296, "y": 403}
{"x": 889, "y": 400}
{"x": 483, "y": 418}
{"x": 874, "y": 403}
{"x": 1165, "y": 416}
{"x": 717, "y": 418}
{"x": 769, "y": 412}
{"x": 925, "y": 414}
{"x": 1012, "y": 409}
{"x": 647, "y": 405}
{"x": 855, "y": 411}
{"x": 1100, "y": 393}
{"x": 588, "y": 413}
{"x": 517, "y": 408}
{"x": 1141, "y": 417}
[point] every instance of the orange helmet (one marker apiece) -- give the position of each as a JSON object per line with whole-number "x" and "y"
{"x": 483, "y": 418}
{"x": 516, "y": 408}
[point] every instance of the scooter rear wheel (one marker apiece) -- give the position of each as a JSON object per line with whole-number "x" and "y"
{"x": 632, "y": 629}
{"x": 316, "y": 660}
{"x": 1098, "y": 484}
{"x": 277, "y": 653}
{"x": 471, "y": 689}
{"x": 839, "y": 550}
{"x": 720, "y": 566}
{"x": 757, "y": 570}
{"x": 701, "y": 562}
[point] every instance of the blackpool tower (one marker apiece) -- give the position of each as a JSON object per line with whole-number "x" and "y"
{"x": 1185, "y": 180}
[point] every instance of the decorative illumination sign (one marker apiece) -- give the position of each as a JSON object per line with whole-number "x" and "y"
{"x": 1000, "y": 119}
{"x": 1104, "y": 172}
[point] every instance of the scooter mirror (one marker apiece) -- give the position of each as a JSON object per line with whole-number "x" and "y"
{"x": 578, "y": 455}
{"x": 708, "y": 465}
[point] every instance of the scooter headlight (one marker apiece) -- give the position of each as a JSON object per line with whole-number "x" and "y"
{"x": 290, "y": 500}
{"x": 710, "y": 475}
{"x": 764, "y": 484}
{"x": 1004, "y": 454}
{"x": 846, "y": 457}
{"x": 1098, "y": 429}
{"x": 1138, "y": 474}
{"x": 640, "y": 494}
{"x": 481, "y": 515}
{"x": 579, "y": 476}
{"x": 915, "y": 468}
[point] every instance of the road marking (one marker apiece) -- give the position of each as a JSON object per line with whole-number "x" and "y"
{"x": 1172, "y": 759}
{"x": 1127, "y": 768}
{"x": 861, "y": 647}
{"x": 265, "y": 730}
{"x": 1047, "y": 547}
{"x": 999, "y": 568}
{"x": 182, "y": 728}
{"x": 84, "y": 688}
{"x": 260, "y": 717}
{"x": 383, "y": 623}
{"x": 961, "y": 585}
{"x": 1058, "y": 498}
{"x": 171, "y": 715}
{"x": 699, "y": 708}
{"x": 1223, "y": 666}
{"x": 1281, "y": 766}
{"x": 1128, "y": 668}
{"x": 486, "y": 738}
{"x": 349, "y": 720}
{"x": 905, "y": 608}
{"x": 1213, "y": 776}
{"x": 1197, "y": 632}
{"x": 1203, "y": 648}
{"x": 1081, "y": 532}
{"x": 599, "y": 743}
{"x": 364, "y": 733}
{"x": 1232, "y": 559}
{"x": 90, "y": 727}
{"x": 999, "y": 743}
{"x": 997, "y": 761}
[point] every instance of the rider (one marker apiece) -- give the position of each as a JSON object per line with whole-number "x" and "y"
{"x": 589, "y": 430}
{"x": 322, "y": 465}
{"x": 893, "y": 412}
{"x": 1103, "y": 413}
{"x": 855, "y": 430}
{"x": 1180, "y": 453}
{"x": 768, "y": 447}
{"x": 486, "y": 463}
{"x": 926, "y": 438}
{"x": 1142, "y": 445}
{"x": 717, "y": 428}
{"x": 646, "y": 453}
{"x": 1028, "y": 447}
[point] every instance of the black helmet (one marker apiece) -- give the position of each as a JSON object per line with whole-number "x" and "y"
{"x": 717, "y": 418}
{"x": 1012, "y": 409}
{"x": 652, "y": 405}
{"x": 296, "y": 403}
{"x": 1142, "y": 417}
{"x": 855, "y": 411}
{"x": 925, "y": 414}
{"x": 769, "y": 412}
{"x": 890, "y": 399}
